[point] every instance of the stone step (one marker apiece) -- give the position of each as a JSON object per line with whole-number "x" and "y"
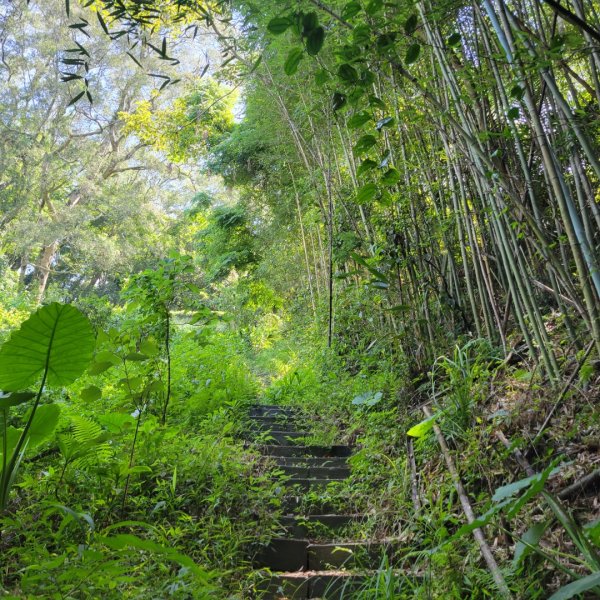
{"x": 297, "y": 554}
{"x": 310, "y": 451}
{"x": 271, "y": 425}
{"x": 306, "y": 484}
{"x": 292, "y": 505}
{"x": 267, "y": 410}
{"x": 330, "y": 585}
{"x": 315, "y": 472}
{"x": 305, "y": 527}
{"x": 283, "y": 554}
{"x": 311, "y": 462}
{"x": 329, "y": 472}
{"x": 349, "y": 555}
{"x": 286, "y": 438}
{"x": 294, "y": 471}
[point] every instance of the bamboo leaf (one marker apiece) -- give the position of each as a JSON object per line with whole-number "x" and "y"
{"x": 530, "y": 538}
{"x": 585, "y": 584}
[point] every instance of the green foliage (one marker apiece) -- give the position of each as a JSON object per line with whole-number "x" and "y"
{"x": 55, "y": 345}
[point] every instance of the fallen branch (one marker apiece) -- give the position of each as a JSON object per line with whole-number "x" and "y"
{"x": 468, "y": 510}
{"x": 519, "y": 457}
{"x": 580, "y": 484}
{"x": 565, "y": 493}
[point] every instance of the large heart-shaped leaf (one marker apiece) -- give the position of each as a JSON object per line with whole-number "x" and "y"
{"x": 57, "y": 338}
{"x": 43, "y": 425}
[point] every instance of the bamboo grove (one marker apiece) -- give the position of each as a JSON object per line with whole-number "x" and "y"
{"x": 442, "y": 156}
{"x": 452, "y": 152}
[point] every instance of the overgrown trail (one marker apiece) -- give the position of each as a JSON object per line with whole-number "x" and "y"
{"x": 316, "y": 555}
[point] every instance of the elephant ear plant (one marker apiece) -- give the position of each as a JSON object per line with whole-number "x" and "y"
{"x": 52, "y": 348}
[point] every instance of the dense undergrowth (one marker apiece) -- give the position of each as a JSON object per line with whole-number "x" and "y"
{"x": 382, "y": 214}
{"x": 113, "y": 502}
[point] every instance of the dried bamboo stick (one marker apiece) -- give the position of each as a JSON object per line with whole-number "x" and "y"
{"x": 468, "y": 510}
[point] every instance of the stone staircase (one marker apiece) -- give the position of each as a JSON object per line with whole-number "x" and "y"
{"x": 308, "y": 560}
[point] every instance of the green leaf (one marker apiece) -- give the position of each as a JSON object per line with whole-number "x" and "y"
{"x": 348, "y": 74}
{"x": 359, "y": 119}
{"x": 399, "y": 308}
{"x": 366, "y": 193}
{"x": 99, "y": 367}
{"x": 43, "y": 425}
{"x": 136, "y": 356}
{"x": 14, "y": 399}
{"x": 292, "y": 61}
{"x": 350, "y": 10}
{"x": 506, "y": 491}
{"x": 412, "y": 54}
{"x": 107, "y": 356}
{"x": 362, "y": 34}
{"x": 517, "y": 92}
{"x": 12, "y": 437}
{"x": 76, "y": 98}
{"x": 123, "y": 541}
{"x": 391, "y": 177}
{"x": 385, "y": 43}
{"x": 423, "y": 428}
{"x": 91, "y": 393}
{"x": 365, "y": 166}
{"x": 149, "y": 347}
{"x": 376, "y": 102}
{"x": 135, "y": 470}
{"x": 585, "y": 584}
{"x": 367, "y": 399}
{"x": 310, "y": 21}
{"x": 530, "y": 538}
{"x": 410, "y": 25}
{"x": 279, "y": 25}
{"x": 57, "y": 339}
{"x": 382, "y": 285}
{"x": 454, "y": 40}
{"x": 314, "y": 41}
{"x": 361, "y": 261}
{"x": 364, "y": 143}
{"x": 513, "y": 113}
{"x": 374, "y": 7}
